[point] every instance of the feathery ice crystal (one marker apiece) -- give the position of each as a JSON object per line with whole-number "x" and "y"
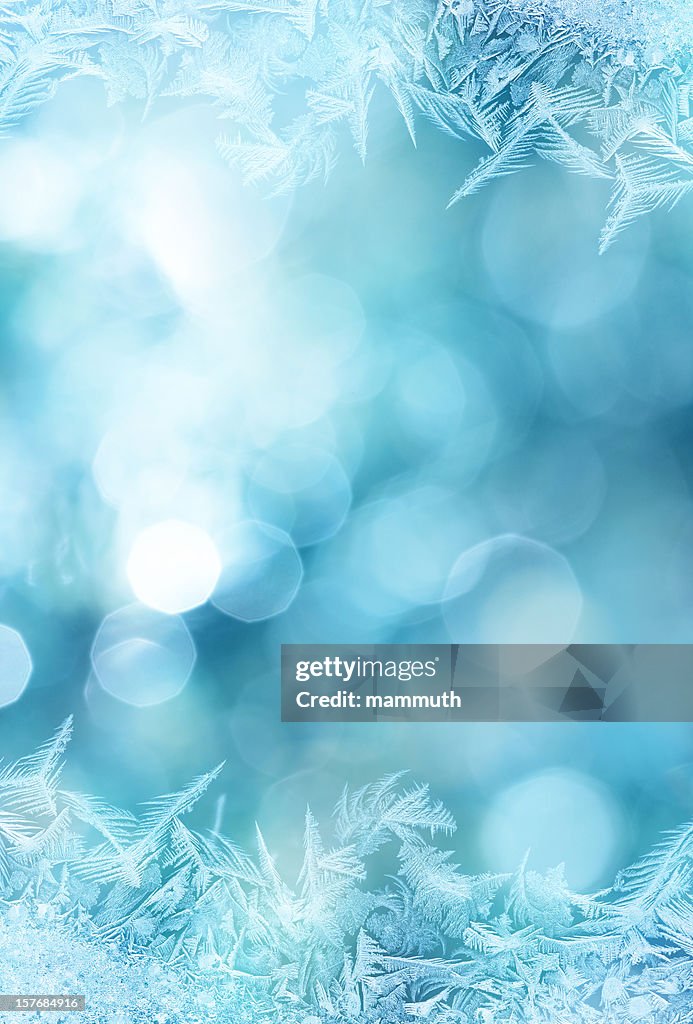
{"x": 602, "y": 87}
{"x": 153, "y": 921}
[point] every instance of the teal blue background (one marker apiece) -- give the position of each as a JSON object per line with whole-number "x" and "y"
{"x": 572, "y": 429}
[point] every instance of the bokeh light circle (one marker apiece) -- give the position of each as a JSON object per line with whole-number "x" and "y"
{"x": 141, "y": 656}
{"x": 559, "y": 816}
{"x": 429, "y": 395}
{"x": 173, "y": 566}
{"x": 135, "y": 461}
{"x": 262, "y": 571}
{"x": 327, "y": 311}
{"x": 411, "y": 540}
{"x": 302, "y": 490}
{"x": 183, "y": 208}
{"x": 39, "y": 193}
{"x": 552, "y": 489}
{"x": 547, "y": 267}
{"x": 442, "y": 407}
{"x": 512, "y": 589}
{"x": 15, "y": 665}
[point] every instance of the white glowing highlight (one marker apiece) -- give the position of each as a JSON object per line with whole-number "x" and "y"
{"x": 184, "y": 209}
{"x": 173, "y": 566}
{"x": 39, "y": 192}
{"x": 15, "y": 666}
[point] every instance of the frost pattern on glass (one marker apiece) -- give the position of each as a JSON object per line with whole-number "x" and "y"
{"x": 157, "y": 922}
{"x": 602, "y": 88}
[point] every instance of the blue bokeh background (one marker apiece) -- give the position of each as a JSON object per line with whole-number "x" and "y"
{"x": 392, "y": 389}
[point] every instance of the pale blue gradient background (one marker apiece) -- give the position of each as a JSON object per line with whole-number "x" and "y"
{"x": 472, "y": 375}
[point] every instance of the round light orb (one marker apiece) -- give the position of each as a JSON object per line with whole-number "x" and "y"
{"x": 15, "y": 666}
{"x": 302, "y": 490}
{"x": 429, "y": 394}
{"x": 512, "y": 590}
{"x": 412, "y": 540}
{"x": 442, "y": 405}
{"x": 552, "y": 489}
{"x": 327, "y": 311}
{"x": 142, "y": 657}
{"x": 561, "y": 817}
{"x": 262, "y": 571}
{"x": 180, "y": 204}
{"x": 547, "y": 268}
{"x": 39, "y": 192}
{"x": 173, "y": 566}
{"x": 135, "y": 461}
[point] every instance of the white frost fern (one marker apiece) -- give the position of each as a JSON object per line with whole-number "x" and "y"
{"x": 147, "y": 915}
{"x": 555, "y": 80}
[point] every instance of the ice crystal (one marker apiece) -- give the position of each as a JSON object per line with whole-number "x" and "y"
{"x": 155, "y": 921}
{"x": 602, "y": 87}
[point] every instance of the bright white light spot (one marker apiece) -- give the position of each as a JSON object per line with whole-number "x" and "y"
{"x": 560, "y": 817}
{"x": 184, "y": 208}
{"x": 15, "y": 665}
{"x": 39, "y": 192}
{"x": 173, "y": 566}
